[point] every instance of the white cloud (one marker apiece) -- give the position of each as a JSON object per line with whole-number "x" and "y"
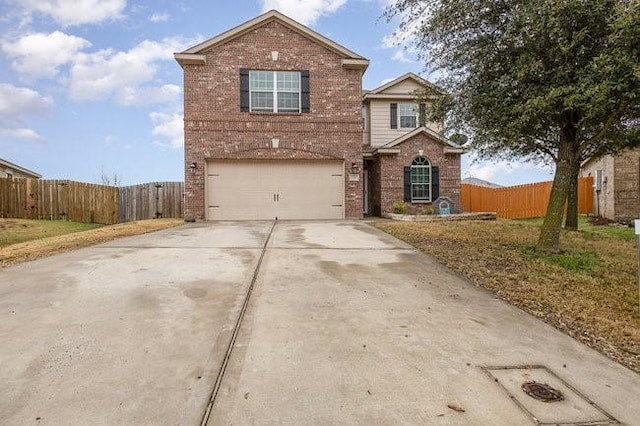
{"x": 489, "y": 171}
{"x": 76, "y": 12}
{"x": 40, "y": 55}
{"x": 168, "y": 93}
{"x": 400, "y": 56}
{"x": 21, "y": 133}
{"x": 503, "y": 171}
{"x": 19, "y": 102}
{"x": 304, "y": 11}
{"x": 170, "y": 127}
{"x": 121, "y": 75}
{"x": 159, "y": 17}
{"x": 127, "y": 77}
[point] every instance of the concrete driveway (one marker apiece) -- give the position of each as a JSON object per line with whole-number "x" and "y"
{"x": 345, "y": 325}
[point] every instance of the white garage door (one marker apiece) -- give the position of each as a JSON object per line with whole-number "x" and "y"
{"x": 270, "y": 189}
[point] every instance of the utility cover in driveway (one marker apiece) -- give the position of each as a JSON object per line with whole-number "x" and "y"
{"x": 573, "y": 409}
{"x": 270, "y": 189}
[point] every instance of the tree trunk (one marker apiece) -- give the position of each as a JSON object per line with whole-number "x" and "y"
{"x": 571, "y": 221}
{"x": 549, "y": 240}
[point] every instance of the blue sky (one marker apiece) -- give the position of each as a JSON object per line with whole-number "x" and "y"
{"x": 90, "y": 87}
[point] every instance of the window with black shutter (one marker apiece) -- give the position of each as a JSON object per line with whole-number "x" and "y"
{"x": 244, "y": 90}
{"x": 305, "y": 92}
{"x": 394, "y": 116}
{"x": 422, "y": 115}
{"x": 435, "y": 183}
{"x": 274, "y": 91}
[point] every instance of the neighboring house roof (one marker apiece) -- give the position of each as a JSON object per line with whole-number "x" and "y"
{"x": 377, "y": 93}
{"x": 194, "y": 54}
{"x": 17, "y": 168}
{"x": 480, "y": 182}
{"x": 450, "y": 147}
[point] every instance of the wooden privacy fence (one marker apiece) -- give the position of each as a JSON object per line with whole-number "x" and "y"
{"x": 151, "y": 200}
{"x": 58, "y": 199}
{"x": 522, "y": 201}
{"x": 89, "y": 203}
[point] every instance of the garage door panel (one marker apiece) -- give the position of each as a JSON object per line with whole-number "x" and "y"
{"x": 244, "y": 190}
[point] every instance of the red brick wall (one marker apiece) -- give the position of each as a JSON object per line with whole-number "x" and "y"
{"x": 390, "y": 173}
{"x": 627, "y": 185}
{"x": 215, "y": 127}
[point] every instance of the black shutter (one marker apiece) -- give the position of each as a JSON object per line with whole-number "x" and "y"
{"x": 422, "y": 115}
{"x": 435, "y": 183}
{"x": 244, "y": 90}
{"x": 407, "y": 184}
{"x": 305, "y": 100}
{"x": 394, "y": 116}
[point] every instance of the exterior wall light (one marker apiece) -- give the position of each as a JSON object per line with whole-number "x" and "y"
{"x": 193, "y": 167}
{"x": 354, "y": 169}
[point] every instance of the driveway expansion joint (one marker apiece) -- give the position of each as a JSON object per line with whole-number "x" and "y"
{"x": 236, "y": 329}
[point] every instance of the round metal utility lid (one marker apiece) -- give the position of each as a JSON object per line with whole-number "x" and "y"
{"x": 542, "y": 392}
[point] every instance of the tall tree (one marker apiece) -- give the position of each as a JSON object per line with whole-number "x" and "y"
{"x": 551, "y": 80}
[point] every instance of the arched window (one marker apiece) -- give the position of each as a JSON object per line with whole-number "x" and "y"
{"x": 420, "y": 179}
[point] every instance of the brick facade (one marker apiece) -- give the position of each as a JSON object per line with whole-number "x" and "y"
{"x": 627, "y": 186}
{"x": 386, "y": 175}
{"x": 215, "y": 128}
{"x": 619, "y": 196}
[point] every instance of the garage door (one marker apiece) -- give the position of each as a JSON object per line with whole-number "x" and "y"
{"x": 268, "y": 189}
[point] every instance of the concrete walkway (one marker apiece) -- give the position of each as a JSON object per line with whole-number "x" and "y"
{"x": 345, "y": 325}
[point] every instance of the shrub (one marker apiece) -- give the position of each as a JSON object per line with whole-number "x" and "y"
{"x": 400, "y": 207}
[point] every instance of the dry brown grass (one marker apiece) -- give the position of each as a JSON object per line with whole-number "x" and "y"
{"x": 590, "y": 291}
{"x": 35, "y": 249}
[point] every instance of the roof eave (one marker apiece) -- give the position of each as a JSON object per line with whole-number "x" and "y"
{"x": 19, "y": 169}
{"x": 386, "y": 151}
{"x": 449, "y": 145}
{"x": 355, "y": 64}
{"x": 268, "y": 17}
{"x": 402, "y": 96}
{"x": 454, "y": 150}
{"x": 404, "y": 77}
{"x": 190, "y": 59}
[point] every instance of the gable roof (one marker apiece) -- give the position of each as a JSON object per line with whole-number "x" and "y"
{"x": 377, "y": 92}
{"x": 17, "y": 168}
{"x": 450, "y": 147}
{"x": 481, "y": 182}
{"x": 193, "y": 55}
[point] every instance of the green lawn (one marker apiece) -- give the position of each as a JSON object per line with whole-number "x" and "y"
{"x": 14, "y": 231}
{"x": 617, "y": 231}
{"x": 589, "y": 290}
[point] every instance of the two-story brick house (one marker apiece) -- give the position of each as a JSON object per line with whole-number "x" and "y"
{"x": 273, "y": 128}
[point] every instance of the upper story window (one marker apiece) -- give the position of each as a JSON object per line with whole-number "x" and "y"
{"x": 274, "y": 91}
{"x": 285, "y": 92}
{"x": 407, "y": 115}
